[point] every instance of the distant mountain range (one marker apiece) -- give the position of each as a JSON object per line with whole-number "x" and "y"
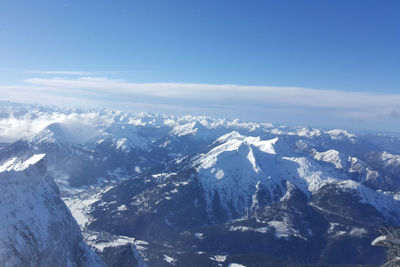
{"x": 162, "y": 190}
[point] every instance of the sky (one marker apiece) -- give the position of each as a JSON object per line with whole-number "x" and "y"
{"x": 319, "y": 63}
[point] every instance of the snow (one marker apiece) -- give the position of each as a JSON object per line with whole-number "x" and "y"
{"x": 384, "y": 202}
{"x": 169, "y": 259}
{"x": 308, "y": 176}
{"x": 35, "y": 221}
{"x": 79, "y": 209}
{"x": 219, "y": 258}
{"x": 341, "y": 135}
{"x": 307, "y": 132}
{"x": 337, "y": 230}
{"x": 330, "y": 156}
{"x": 162, "y": 176}
{"x": 122, "y": 208}
{"x": 253, "y": 162}
{"x": 138, "y": 169}
{"x": 378, "y": 240}
{"x": 100, "y": 241}
{"x": 185, "y": 129}
{"x": 243, "y": 159}
{"x": 390, "y": 159}
{"x": 233, "y": 141}
{"x": 220, "y": 172}
{"x": 18, "y": 164}
{"x": 80, "y": 204}
{"x": 118, "y": 241}
{"x": 283, "y": 229}
{"x": 199, "y": 236}
{"x": 70, "y": 127}
{"x": 122, "y": 144}
{"x": 236, "y": 265}
{"x": 289, "y": 189}
{"x": 262, "y": 230}
{"x": 358, "y": 231}
{"x": 261, "y": 165}
{"x": 266, "y": 146}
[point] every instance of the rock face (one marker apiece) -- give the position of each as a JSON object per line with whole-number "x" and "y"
{"x": 161, "y": 190}
{"x": 36, "y": 228}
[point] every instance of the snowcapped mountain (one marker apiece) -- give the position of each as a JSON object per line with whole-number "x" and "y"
{"x": 164, "y": 190}
{"x": 241, "y": 166}
{"x": 235, "y": 169}
{"x": 37, "y": 228}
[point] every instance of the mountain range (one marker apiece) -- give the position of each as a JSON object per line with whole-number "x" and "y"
{"x": 162, "y": 190}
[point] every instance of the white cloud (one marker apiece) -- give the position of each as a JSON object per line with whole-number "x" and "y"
{"x": 263, "y": 103}
{"x": 71, "y": 73}
{"x": 80, "y": 127}
{"x": 58, "y": 72}
{"x": 293, "y": 96}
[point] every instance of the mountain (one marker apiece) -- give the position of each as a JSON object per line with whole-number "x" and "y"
{"x": 37, "y": 228}
{"x": 244, "y": 196}
{"x": 163, "y": 190}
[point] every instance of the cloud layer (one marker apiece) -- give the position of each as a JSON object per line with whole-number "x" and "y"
{"x": 291, "y": 104}
{"x": 58, "y": 72}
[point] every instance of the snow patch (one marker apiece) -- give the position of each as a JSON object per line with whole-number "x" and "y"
{"x": 219, "y": 258}
{"x": 169, "y": 259}
{"x": 122, "y": 208}
{"x": 236, "y": 265}
{"x": 330, "y": 156}
{"x": 199, "y": 236}
{"x": 262, "y": 230}
{"x": 283, "y": 229}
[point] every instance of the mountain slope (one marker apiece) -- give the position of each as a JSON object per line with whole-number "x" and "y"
{"x": 36, "y": 228}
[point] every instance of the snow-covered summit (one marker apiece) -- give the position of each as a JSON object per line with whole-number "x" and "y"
{"x": 330, "y": 156}
{"x": 232, "y": 169}
{"x": 236, "y": 167}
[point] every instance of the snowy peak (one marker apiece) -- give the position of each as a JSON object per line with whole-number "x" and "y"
{"x": 235, "y": 169}
{"x": 18, "y": 164}
{"x": 330, "y": 156}
{"x": 122, "y": 137}
{"x": 241, "y": 145}
{"x": 190, "y": 128}
{"x": 390, "y": 159}
{"x": 341, "y": 135}
{"x": 237, "y": 166}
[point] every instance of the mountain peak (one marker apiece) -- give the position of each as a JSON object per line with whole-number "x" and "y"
{"x": 19, "y": 164}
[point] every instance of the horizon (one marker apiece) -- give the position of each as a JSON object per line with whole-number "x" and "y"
{"x": 315, "y": 64}
{"x": 74, "y": 109}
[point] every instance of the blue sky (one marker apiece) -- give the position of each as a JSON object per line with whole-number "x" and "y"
{"x": 343, "y": 58}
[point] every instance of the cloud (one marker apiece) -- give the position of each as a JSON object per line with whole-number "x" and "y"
{"x": 293, "y": 105}
{"x": 80, "y": 127}
{"x": 59, "y": 72}
{"x": 71, "y": 73}
{"x": 274, "y": 95}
